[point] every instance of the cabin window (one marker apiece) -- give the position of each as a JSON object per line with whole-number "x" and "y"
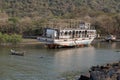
{"x": 92, "y": 32}
{"x": 85, "y": 33}
{"x": 79, "y": 32}
{"x": 65, "y": 33}
{"x": 49, "y": 33}
{"x": 82, "y": 32}
{"x": 73, "y": 34}
{"x": 61, "y": 33}
{"x": 88, "y": 32}
{"x": 70, "y": 33}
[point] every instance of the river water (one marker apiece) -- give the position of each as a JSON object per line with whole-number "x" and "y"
{"x": 40, "y": 63}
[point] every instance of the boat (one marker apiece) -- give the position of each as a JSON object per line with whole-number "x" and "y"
{"x": 110, "y": 38}
{"x": 80, "y": 35}
{"x": 13, "y": 52}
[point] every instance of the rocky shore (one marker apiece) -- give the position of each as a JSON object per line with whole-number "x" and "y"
{"x": 106, "y": 72}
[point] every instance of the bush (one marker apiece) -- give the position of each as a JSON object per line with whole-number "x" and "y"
{"x": 13, "y": 39}
{"x": 0, "y": 37}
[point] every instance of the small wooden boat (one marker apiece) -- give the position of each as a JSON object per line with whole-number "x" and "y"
{"x": 13, "y": 52}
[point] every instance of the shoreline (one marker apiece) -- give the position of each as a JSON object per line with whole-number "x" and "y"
{"x": 35, "y": 41}
{"x": 29, "y": 41}
{"x": 109, "y": 71}
{"x": 24, "y": 42}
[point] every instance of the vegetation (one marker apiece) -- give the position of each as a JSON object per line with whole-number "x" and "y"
{"x": 27, "y": 17}
{"x": 7, "y": 39}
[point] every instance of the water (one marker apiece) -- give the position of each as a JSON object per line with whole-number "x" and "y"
{"x": 53, "y": 64}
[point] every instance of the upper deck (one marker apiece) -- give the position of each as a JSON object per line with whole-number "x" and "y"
{"x": 81, "y": 30}
{"x": 68, "y": 24}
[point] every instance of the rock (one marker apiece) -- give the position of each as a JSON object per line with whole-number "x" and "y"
{"x": 82, "y": 77}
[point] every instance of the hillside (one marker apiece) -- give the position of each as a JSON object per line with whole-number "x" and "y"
{"x": 32, "y": 13}
{"x": 50, "y": 8}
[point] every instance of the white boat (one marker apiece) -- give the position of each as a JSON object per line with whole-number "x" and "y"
{"x": 110, "y": 38}
{"x": 83, "y": 34}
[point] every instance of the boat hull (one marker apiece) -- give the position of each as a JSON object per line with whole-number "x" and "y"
{"x": 66, "y": 42}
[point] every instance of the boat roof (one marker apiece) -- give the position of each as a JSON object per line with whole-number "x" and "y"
{"x": 70, "y": 29}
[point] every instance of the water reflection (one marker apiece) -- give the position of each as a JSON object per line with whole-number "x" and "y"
{"x": 72, "y": 59}
{"x": 112, "y": 45}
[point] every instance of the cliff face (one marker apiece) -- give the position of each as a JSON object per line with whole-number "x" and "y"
{"x": 48, "y": 8}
